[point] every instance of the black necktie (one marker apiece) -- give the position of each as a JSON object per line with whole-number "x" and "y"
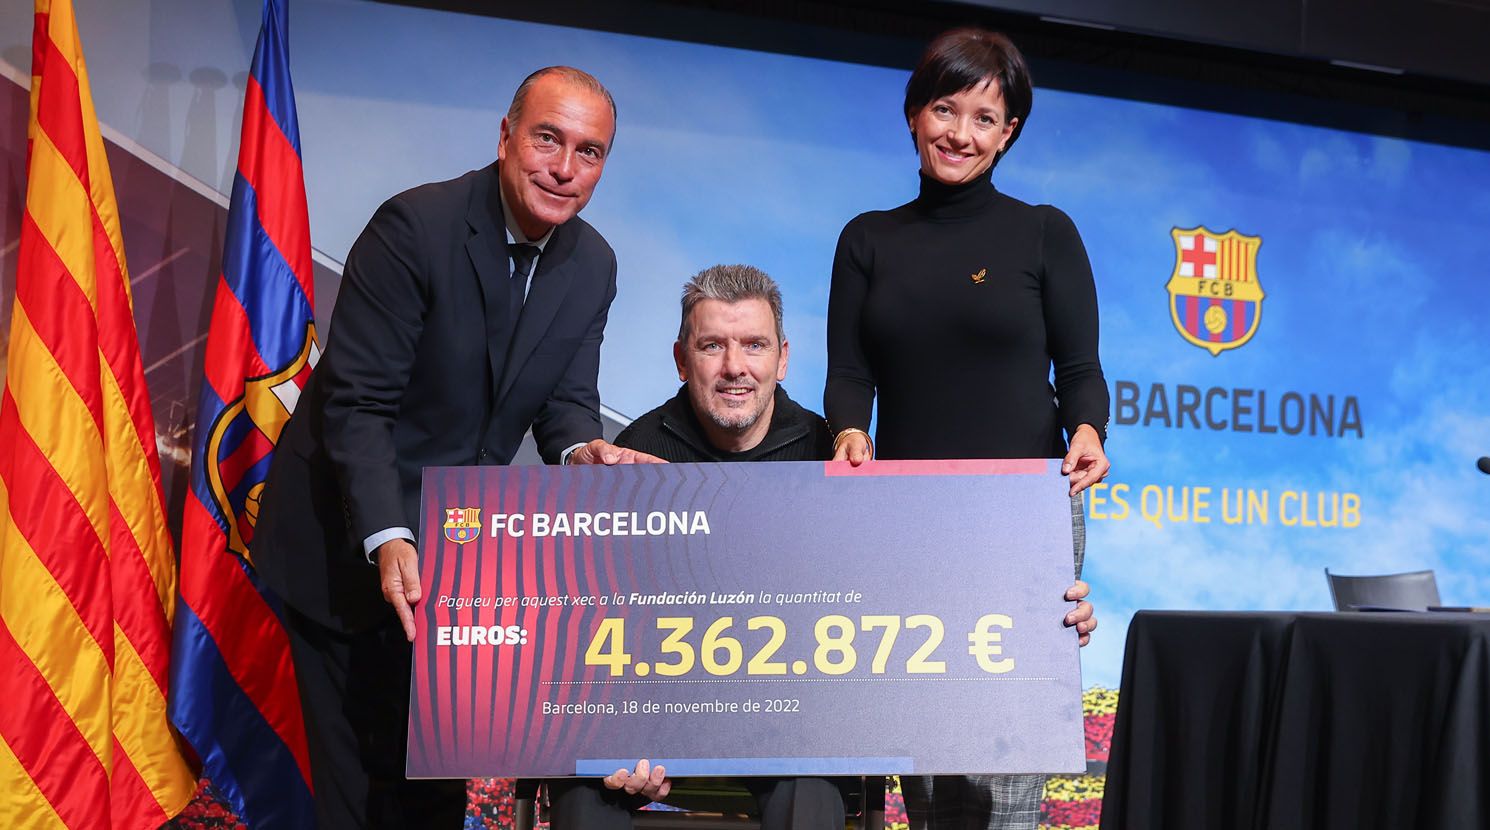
{"x": 523, "y": 257}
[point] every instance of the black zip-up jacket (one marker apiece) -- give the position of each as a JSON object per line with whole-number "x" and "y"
{"x": 672, "y": 432}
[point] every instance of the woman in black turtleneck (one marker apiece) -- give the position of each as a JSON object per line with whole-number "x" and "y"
{"x": 953, "y": 309}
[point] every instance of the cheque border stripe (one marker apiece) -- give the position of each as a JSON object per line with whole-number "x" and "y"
{"x": 951, "y": 467}
{"x": 686, "y": 767}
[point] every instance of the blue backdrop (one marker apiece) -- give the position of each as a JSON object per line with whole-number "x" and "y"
{"x": 1372, "y": 260}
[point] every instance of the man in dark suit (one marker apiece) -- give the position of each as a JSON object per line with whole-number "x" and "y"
{"x": 443, "y": 351}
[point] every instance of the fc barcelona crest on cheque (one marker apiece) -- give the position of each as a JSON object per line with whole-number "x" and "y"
{"x": 462, "y": 524}
{"x": 1215, "y": 297}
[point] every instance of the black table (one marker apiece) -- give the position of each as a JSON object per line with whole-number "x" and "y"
{"x": 1283, "y": 720}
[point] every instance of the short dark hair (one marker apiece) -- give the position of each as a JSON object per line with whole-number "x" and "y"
{"x": 731, "y": 284}
{"x": 963, "y": 58}
{"x": 578, "y": 77}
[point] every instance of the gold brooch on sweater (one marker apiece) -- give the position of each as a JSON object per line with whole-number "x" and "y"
{"x": 980, "y": 276}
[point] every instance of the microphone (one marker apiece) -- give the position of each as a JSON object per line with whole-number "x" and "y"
{"x": 1484, "y": 464}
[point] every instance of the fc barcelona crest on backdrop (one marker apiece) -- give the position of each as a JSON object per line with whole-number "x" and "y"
{"x": 1215, "y": 298}
{"x": 462, "y": 524}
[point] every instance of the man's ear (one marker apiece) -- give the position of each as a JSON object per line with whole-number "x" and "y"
{"x": 502, "y": 136}
{"x": 786, "y": 349}
{"x": 678, "y": 360}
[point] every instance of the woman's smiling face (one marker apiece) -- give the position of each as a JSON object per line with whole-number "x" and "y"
{"x": 958, "y": 136}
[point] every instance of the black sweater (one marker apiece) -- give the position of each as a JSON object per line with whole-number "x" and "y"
{"x": 672, "y": 432}
{"x": 953, "y": 309}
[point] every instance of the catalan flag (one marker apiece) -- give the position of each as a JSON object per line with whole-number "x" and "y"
{"x": 233, "y": 689}
{"x": 87, "y": 573}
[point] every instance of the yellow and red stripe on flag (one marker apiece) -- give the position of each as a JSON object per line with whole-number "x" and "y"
{"x": 87, "y": 575}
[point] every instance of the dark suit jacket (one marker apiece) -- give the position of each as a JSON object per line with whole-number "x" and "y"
{"x": 423, "y": 367}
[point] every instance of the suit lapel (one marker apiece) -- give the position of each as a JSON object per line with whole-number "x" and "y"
{"x": 546, "y": 294}
{"x": 487, "y": 248}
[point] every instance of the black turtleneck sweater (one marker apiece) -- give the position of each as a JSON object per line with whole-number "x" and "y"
{"x": 953, "y": 310}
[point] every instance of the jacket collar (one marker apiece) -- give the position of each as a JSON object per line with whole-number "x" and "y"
{"x": 786, "y": 427}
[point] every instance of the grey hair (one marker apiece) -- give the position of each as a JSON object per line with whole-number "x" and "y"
{"x": 578, "y": 77}
{"x": 731, "y": 284}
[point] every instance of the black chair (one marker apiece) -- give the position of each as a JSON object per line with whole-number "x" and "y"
{"x": 1412, "y": 591}
{"x": 709, "y": 803}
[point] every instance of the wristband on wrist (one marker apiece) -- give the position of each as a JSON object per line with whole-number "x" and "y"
{"x": 847, "y": 431}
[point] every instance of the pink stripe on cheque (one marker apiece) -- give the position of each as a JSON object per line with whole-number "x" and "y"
{"x": 946, "y": 467}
